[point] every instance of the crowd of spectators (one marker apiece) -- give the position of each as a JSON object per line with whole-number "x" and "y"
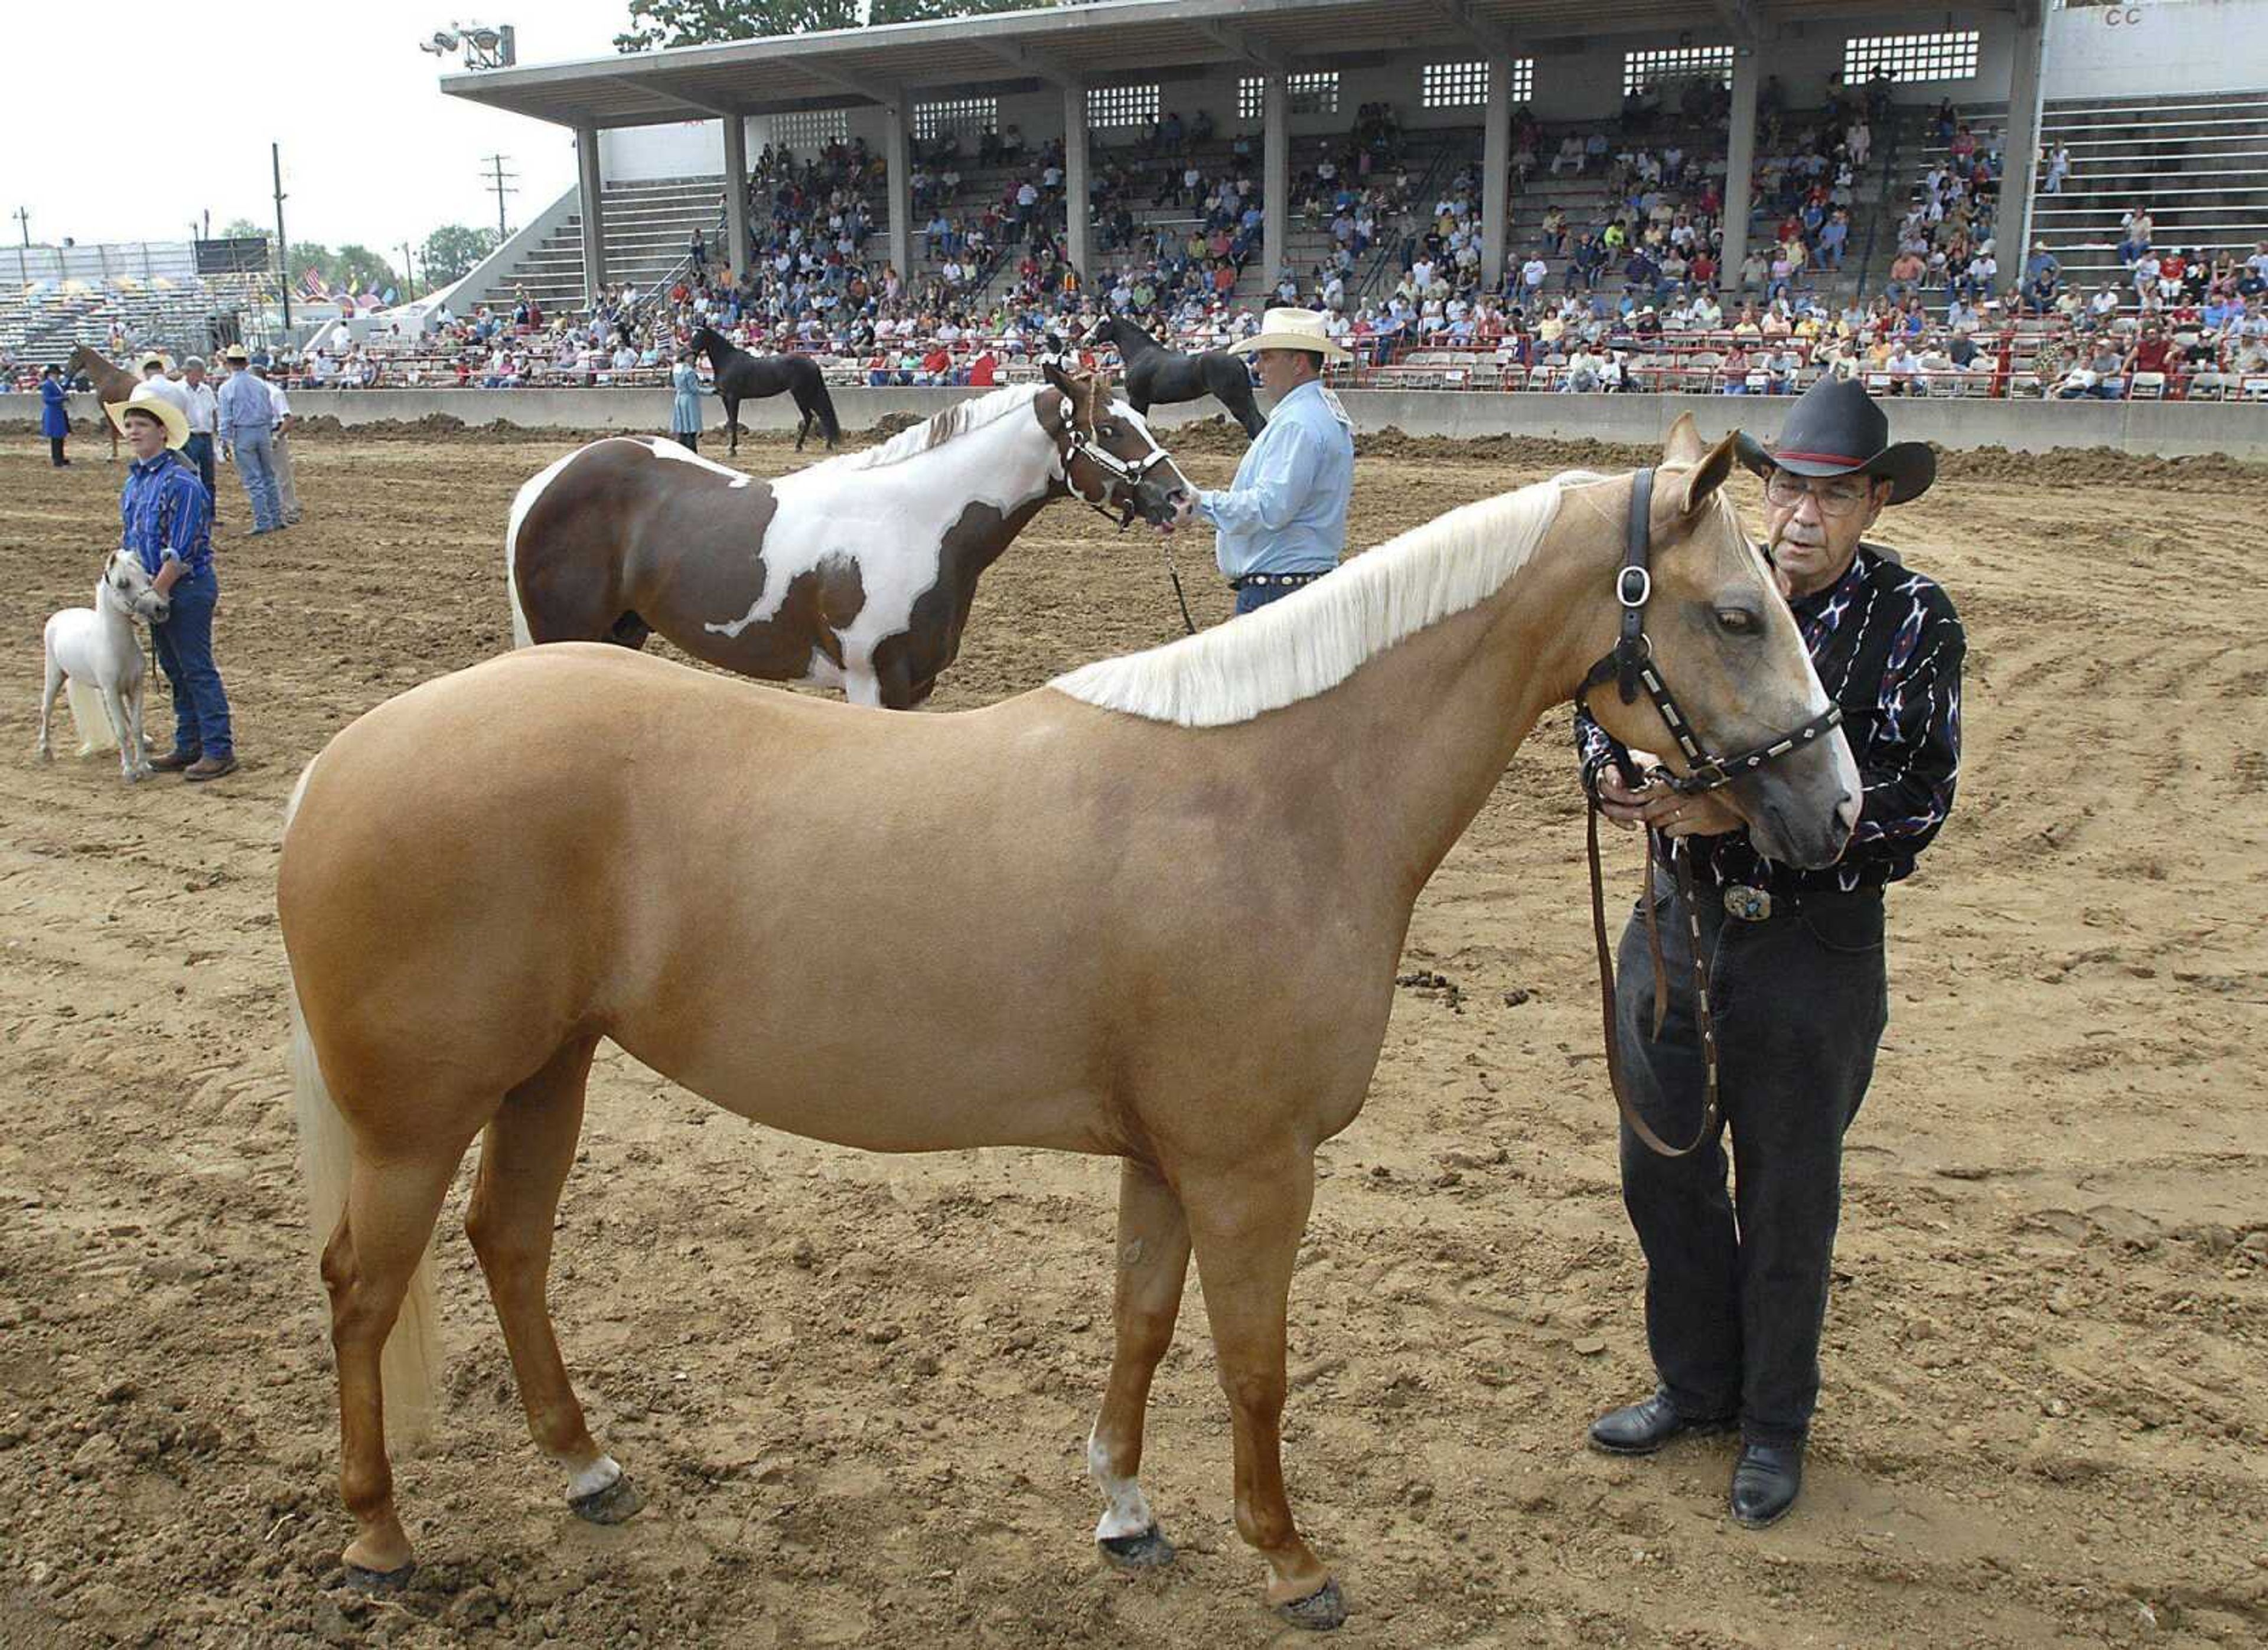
{"x": 1598, "y": 282}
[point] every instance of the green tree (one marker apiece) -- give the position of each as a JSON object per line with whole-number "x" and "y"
{"x": 244, "y": 229}
{"x": 367, "y": 271}
{"x": 452, "y": 250}
{"x": 663, "y": 23}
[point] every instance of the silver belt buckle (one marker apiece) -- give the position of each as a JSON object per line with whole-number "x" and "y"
{"x": 1748, "y": 904}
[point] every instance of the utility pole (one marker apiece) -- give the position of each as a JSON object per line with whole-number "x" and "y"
{"x": 282, "y": 247}
{"x": 408, "y": 274}
{"x": 498, "y": 180}
{"x": 24, "y": 218}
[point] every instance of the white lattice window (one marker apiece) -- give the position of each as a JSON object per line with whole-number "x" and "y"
{"x": 1466, "y": 85}
{"x": 974, "y": 116}
{"x": 1122, "y": 106}
{"x": 1951, "y": 56}
{"x": 1641, "y": 69}
{"x": 809, "y": 129}
{"x": 1315, "y": 93}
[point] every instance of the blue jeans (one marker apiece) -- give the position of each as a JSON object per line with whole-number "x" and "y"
{"x": 199, "y": 452}
{"x": 255, "y": 462}
{"x": 185, "y": 653}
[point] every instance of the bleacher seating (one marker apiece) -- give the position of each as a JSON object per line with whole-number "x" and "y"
{"x": 2200, "y": 164}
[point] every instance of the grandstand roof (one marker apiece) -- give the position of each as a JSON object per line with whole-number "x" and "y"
{"x": 1094, "y": 44}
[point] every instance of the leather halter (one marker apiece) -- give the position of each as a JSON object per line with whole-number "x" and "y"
{"x": 1630, "y": 667}
{"x": 1129, "y": 474}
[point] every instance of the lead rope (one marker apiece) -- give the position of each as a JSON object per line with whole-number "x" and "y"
{"x": 1174, "y": 572}
{"x": 1680, "y": 861}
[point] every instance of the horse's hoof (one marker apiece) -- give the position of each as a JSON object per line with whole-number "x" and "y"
{"x": 379, "y": 1583}
{"x": 1144, "y": 1550}
{"x": 1320, "y": 1611}
{"x": 618, "y": 1501}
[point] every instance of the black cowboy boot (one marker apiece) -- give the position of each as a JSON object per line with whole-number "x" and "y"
{"x": 1641, "y": 1428}
{"x": 1766, "y": 1483}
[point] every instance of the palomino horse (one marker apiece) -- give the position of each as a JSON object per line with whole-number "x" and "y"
{"x": 744, "y": 377}
{"x": 858, "y": 573}
{"x": 112, "y": 384}
{"x": 1155, "y": 373}
{"x": 96, "y": 654}
{"x": 1151, "y": 910}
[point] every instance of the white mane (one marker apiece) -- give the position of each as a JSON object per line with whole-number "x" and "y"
{"x": 956, "y": 420}
{"x": 1316, "y": 638}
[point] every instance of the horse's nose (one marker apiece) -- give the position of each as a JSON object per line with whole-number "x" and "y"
{"x": 1846, "y": 815}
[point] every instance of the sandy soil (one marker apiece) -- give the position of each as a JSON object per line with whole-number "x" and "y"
{"x": 853, "y": 1387}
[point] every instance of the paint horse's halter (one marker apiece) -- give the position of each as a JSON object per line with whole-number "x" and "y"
{"x": 1630, "y": 667}
{"x": 1127, "y": 474}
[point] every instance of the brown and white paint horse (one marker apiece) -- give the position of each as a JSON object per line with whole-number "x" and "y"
{"x": 857, "y": 572}
{"x": 1151, "y": 910}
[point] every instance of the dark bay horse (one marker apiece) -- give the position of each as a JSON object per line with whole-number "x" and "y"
{"x": 1149, "y": 911}
{"x": 112, "y": 384}
{"x": 744, "y": 377}
{"x": 857, "y": 572}
{"x": 1155, "y": 373}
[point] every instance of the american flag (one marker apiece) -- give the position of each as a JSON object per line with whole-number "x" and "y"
{"x": 311, "y": 282}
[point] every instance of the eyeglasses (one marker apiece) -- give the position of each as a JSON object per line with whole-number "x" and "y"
{"x": 1834, "y": 497}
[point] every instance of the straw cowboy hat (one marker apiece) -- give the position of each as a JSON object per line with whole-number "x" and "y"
{"x": 1837, "y": 428}
{"x": 236, "y": 353}
{"x": 1291, "y": 329}
{"x": 152, "y": 358}
{"x": 146, "y": 398}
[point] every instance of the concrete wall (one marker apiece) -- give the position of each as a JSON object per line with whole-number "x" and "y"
{"x": 2159, "y": 48}
{"x": 2167, "y": 428}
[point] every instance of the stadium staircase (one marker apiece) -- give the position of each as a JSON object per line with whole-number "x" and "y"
{"x": 2199, "y": 163}
{"x": 647, "y": 223}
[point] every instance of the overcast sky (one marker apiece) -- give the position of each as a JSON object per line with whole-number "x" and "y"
{"x": 373, "y": 152}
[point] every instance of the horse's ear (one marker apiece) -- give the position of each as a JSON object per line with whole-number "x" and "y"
{"x": 1059, "y": 378}
{"x": 1684, "y": 444}
{"x": 1706, "y": 476}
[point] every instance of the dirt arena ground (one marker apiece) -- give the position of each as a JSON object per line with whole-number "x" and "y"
{"x": 853, "y": 1388}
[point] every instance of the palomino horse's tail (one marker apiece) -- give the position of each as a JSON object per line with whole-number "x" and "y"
{"x": 413, "y": 1350}
{"x": 87, "y": 714}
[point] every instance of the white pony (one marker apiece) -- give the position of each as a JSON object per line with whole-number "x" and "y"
{"x": 96, "y": 652}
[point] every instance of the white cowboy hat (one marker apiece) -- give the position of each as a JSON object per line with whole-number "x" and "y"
{"x": 152, "y": 358}
{"x": 147, "y": 399}
{"x": 1283, "y": 328}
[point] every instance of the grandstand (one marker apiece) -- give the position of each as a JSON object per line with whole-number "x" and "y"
{"x": 2199, "y": 161}
{"x": 120, "y": 296}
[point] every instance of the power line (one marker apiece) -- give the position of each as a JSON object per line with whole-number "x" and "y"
{"x": 499, "y": 179}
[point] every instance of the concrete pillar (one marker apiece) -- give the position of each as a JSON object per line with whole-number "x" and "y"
{"x": 736, "y": 194}
{"x": 2020, "y": 144}
{"x": 1740, "y": 163}
{"x": 591, "y": 189}
{"x": 1496, "y": 170}
{"x": 1276, "y": 177}
{"x": 1077, "y": 207}
{"x": 897, "y": 134}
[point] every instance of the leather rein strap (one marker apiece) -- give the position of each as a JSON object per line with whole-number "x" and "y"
{"x": 1630, "y": 667}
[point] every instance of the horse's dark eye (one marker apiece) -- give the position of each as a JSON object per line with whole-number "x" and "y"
{"x": 1736, "y": 622}
{"x": 1109, "y": 430}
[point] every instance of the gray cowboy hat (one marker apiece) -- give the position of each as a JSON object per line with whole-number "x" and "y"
{"x": 1837, "y": 428}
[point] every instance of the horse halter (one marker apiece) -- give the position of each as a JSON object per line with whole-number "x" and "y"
{"x": 1126, "y": 473}
{"x": 1630, "y": 667}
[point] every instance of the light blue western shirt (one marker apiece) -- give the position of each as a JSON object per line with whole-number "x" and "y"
{"x": 1286, "y": 511}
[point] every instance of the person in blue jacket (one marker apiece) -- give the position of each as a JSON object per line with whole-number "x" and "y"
{"x": 55, "y": 414}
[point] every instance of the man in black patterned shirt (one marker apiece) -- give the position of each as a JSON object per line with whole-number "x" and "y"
{"x": 1736, "y": 1294}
